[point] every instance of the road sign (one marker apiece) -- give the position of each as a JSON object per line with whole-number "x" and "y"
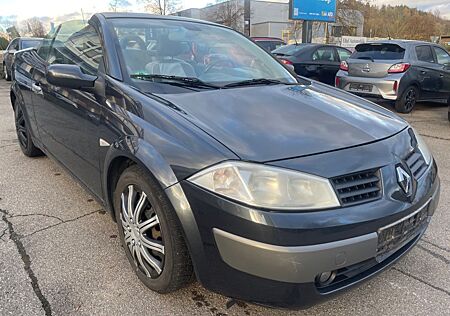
{"x": 313, "y": 10}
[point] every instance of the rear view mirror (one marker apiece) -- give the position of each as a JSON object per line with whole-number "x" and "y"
{"x": 69, "y": 76}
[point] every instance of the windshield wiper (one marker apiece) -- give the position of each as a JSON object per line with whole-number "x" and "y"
{"x": 253, "y": 82}
{"x": 175, "y": 80}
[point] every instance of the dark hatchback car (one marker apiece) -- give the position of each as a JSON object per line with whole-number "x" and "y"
{"x": 265, "y": 186}
{"x": 15, "y": 45}
{"x": 315, "y": 61}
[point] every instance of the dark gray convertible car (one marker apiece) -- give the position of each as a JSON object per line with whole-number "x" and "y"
{"x": 405, "y": 72}
{"x": 217, "y": 162}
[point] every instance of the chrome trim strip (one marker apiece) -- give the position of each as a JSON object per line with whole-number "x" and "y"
{"x": 406, "y": 217}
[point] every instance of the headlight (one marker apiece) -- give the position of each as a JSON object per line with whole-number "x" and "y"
{"x": 267, "y": 187}
{"x": 426, "y": 153}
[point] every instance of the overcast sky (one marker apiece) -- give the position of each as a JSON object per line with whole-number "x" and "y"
{"x": 53, "y": 8}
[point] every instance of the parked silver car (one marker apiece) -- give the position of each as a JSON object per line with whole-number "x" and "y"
{"x": 399, "y": 70}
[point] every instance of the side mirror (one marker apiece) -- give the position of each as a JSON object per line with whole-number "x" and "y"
{"x": 69, "y": 76}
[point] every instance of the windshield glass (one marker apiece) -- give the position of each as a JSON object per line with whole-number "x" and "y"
{"x": 30, "y": 43}
{"x": 212, "y": 54}
{"x": 378, "y": 51}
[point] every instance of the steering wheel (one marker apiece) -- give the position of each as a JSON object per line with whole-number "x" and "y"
{"x": 216, "y": 63}
{"x": 126, "y": 40}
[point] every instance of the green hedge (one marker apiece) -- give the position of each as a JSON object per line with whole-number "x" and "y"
{"x": 3, "y": 43}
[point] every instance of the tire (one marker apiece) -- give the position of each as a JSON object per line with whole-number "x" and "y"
{"x": 6, "y": 74}
{"x": 448, "y": 103}
{"x": 23, "y": 133}
{"x": 169, "y": 267}
{"x": 408, "y": 100}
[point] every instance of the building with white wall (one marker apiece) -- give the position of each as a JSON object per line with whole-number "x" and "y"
{"x": 271, "y": 18}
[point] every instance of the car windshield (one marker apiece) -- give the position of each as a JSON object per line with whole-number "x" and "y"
{"x": 375, "y": 51}
{"x": 181, "y": 49}
{"x": 30, "y": 43}
{"x": 289, "y": 49}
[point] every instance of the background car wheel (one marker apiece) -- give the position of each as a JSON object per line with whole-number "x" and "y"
{"x": 23, "y": 133}
{"x": 6, "y": 74}
{"x": 407, "y": 100}
{"x": 448, "y": 103}
{"x": 150, "y": 232}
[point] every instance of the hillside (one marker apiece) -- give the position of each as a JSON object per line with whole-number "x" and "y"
{"x": 398, "y": 21}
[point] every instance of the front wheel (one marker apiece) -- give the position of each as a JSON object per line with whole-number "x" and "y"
{"x": 408, "y": 100}
{"x": 150, "y": 232}
{"x": 23, "y": 133}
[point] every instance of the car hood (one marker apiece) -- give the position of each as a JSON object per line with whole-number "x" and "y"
{"x": 266, "y": 123}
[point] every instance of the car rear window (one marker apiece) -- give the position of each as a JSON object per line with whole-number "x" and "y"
{"x": 379, "y": 51}
{"x": 288, "y": 49}
{"x": 270, "y": 45}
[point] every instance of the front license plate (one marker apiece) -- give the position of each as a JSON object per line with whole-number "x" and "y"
{"x": 395, "y": 235}
{"x": 361, "y": 87}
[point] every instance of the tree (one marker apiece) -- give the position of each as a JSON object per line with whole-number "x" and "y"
{"x": 3, "y": 43}
{"x": 118, "y": 5}
{"x": 161, "y": 7}
{"x": 229, "y": 13}
{"x": 34, "y": 27}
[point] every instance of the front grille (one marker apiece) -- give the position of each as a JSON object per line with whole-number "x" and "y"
{"x": 416, "y": 163}
{"x": 358, "y": 187}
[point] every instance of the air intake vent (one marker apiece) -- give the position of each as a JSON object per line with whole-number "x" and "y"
{"x": 416, "y": 163}
{"x": 360, "y": 187}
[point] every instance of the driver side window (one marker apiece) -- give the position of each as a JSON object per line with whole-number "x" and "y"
{"x": 443, "y": 58}
{"x": 76, "y": 44}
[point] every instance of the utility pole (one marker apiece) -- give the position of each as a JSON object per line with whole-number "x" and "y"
{"x": 307, "y": 31}
{"x": 247, "y": 16}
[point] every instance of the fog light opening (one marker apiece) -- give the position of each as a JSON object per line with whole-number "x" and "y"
{"x": 325, "y": 278}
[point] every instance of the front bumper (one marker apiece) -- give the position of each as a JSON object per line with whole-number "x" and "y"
{"x": 382, "y": 88}
{"x": 273, "y": 258}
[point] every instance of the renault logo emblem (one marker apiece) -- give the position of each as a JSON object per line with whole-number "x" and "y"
{"x": 404, "y": 180}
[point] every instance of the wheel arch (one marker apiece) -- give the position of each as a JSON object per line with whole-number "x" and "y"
{"x": 121, "y": 155}
{"x": 130, "y": 151}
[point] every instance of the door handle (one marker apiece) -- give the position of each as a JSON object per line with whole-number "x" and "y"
{"x": 441, "y": 75}
{"x": 35, "y": 87}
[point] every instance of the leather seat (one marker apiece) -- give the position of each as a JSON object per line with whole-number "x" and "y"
{"x": 166, "y": 64}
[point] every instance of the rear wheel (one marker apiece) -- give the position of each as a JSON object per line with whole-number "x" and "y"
{"x": 408, "y": 100}
{"x": 448, "y": 103}
{"x": 23, "y": 133}
{"x": 150, "y": 232}
{"x": 6, "y": 74}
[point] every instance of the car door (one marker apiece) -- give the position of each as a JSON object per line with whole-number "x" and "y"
{"x": 68, "y": 119}
{"x": 326, "y": 64}
{"x": 426, "y": 71}
{"x": 443, "y": 64}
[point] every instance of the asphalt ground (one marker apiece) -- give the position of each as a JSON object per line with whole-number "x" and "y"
{"x": 60, "y": 254}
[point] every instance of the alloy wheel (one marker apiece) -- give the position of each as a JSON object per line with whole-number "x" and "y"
{"x": 142, "y": 231}
{"x": 410, "y": 99}
{"x": 21, "y": 128}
